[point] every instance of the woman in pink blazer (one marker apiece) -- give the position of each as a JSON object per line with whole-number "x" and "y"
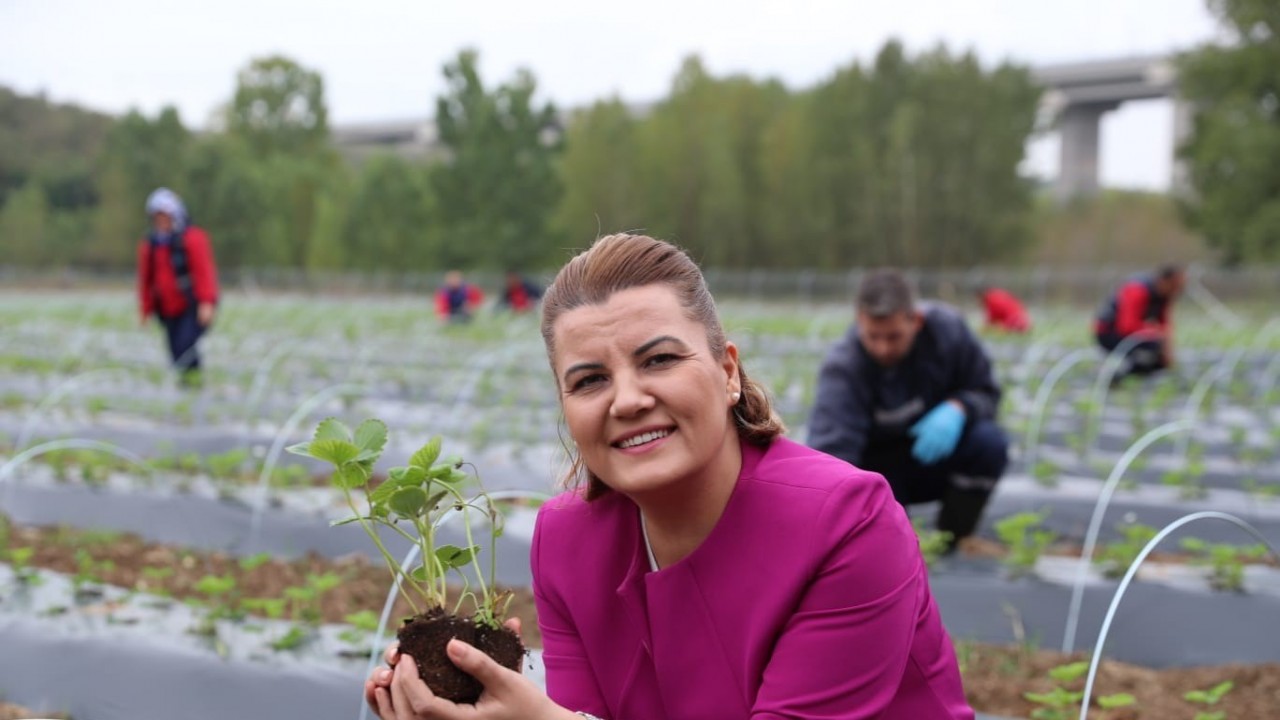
{"x": 701, "y": 567}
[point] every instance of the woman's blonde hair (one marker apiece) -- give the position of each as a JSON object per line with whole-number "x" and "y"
{"x": 624, "y": 261}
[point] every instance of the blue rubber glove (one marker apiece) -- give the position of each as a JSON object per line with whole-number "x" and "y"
{"x": 937, "y": 433}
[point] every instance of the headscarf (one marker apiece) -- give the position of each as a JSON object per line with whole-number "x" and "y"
{"x": 167, "y": 201}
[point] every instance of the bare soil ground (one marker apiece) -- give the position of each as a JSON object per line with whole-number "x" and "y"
{"x": 996, "y": 677}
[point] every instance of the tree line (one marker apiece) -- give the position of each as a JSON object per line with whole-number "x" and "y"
{"x": 907, "y": 160}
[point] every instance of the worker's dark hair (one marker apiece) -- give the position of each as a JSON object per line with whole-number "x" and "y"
{"x": 885, "y": 292}
{"x": 1169, "y": 270}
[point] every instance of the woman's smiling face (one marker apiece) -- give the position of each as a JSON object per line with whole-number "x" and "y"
{"x": 644, "y": 399}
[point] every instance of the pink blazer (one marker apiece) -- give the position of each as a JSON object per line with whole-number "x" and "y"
{"x": 809, "y": 600}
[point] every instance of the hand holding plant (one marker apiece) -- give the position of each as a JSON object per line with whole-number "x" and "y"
{"x": 421, "y": 496}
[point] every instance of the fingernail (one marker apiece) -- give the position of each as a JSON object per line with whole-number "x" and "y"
{"x": 384, "y": 676}
{"x": 459, "y": 649}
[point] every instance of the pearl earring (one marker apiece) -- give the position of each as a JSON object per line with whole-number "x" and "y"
{"x": 734, "y": 396}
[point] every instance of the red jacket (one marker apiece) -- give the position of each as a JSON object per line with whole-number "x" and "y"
{"x": 1004, "y": 311}
{"x": 1135, "y": 307}
{"x": 468, "y": 299}
{"x": 158, "y": 290}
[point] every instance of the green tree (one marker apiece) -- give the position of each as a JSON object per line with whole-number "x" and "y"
{"x": 139, "y": 155}
{"x": 279, "y": 107}
{"x": 497, "y": 188}
{"x": 229, "y": 198}
{"x": 600, "y": 170}
{"x": 389, "y": 223}
{"x": 25, "y": 225}
{"x": 701, "y": 163}
{"x": 1231, "y": 153}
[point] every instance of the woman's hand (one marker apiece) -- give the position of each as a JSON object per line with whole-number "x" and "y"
{"x": 399, "y": 694}
{"x": 507, "y": 695}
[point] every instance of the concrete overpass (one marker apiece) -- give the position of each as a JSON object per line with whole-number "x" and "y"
{"x": 1076, "y": 97}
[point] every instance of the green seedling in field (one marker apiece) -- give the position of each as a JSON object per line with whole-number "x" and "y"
{"x": 1046, "y": 473}
{"x": 87, "y": 574}
{"x": 933, "y": 543}
{"x": 152, "y": 580}
{"x": 1116, "y": 557}
{"x": 420, "y": 495}
{"x": 1209, "y": 698}
{"x": 253, "y": 562}
{"x": 221, "y": 602}
{"x": 1225, "y": 561}
{"x": 1062, "y": 703}
{"x": 364, "y": 624}
{"x": 1261, "y": 490}
{"x": 270, "y": 607}
{"x": 1187, "y": 483}
{"x": 227, "y": 465}
{"x": 296, "y": 637}
{"x": 304, "y": 600}
{"x": 19, "y": 560}
{"x": 1025, "y": 539}
{"x": 1238, "y": 435}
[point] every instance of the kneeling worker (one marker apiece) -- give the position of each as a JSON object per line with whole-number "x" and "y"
{"x": 909, "y": 393}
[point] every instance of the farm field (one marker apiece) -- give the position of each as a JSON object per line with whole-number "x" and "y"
{"x": 159, "y": 546}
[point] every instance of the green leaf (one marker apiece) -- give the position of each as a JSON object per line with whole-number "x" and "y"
{"x": 254, "y": 561}
{"x": 412, "y": 476}
{"x": 381, "y": 494}
{"x": 371, "y": 436}
{"x": 351, "y": 476}
{"x": 303, "y": 448}
{"x": 455, "y": 477}
{"x": 426, "y": 456}
{"x": 408, "y": 502}
{"x": 1069, "y": 672}
{"x": 365, "y": 620}
{"x": 214, "y": 585}
{"x": 452, "y": 556}
{"x": 1221, "y": 689}
{"x": 332, "y": 429}
{"x": 435, "y": 499}
{"x": 421, "y": 574}
{"x": 337, "y": 452}
{"x": 1109, "y": 702}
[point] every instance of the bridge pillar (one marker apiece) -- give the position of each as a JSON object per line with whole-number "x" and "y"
{"x": 1078, "y": 167}
{"x": 1183, "y": 121}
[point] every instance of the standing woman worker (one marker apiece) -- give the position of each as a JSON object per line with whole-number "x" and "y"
{"x": 177, "y": 278}
{"x": 701, "y": 567}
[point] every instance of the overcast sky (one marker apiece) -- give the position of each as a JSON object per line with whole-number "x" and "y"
{"x": 381, "y": 59}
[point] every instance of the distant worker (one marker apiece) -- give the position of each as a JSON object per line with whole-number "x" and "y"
{"x": 177, "y": 279}
{"x": 909, "y": 393}
{"x": 1003, "y": 310}
{"x": 458, "y": 300}
{"x": 1140, "y": 308}
{"x": 519, "y": 294}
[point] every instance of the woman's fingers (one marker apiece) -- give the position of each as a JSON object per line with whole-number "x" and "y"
{"x": 382, "y": 704}
{"x": 412, "y": 698}
{"x": 513, "y": 624}
{"x": 392, "y": 654}
{"x": 380, "y": 677}
{"x": 477, "y": 664}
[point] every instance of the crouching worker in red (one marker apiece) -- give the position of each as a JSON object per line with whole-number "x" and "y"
{"x": 1003, "y": 310}
{"x": 1139, "y": 309}
{"x": 177, "y": 279}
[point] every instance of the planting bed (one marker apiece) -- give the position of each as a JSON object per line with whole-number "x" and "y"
{"x": 195, "y": 508}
